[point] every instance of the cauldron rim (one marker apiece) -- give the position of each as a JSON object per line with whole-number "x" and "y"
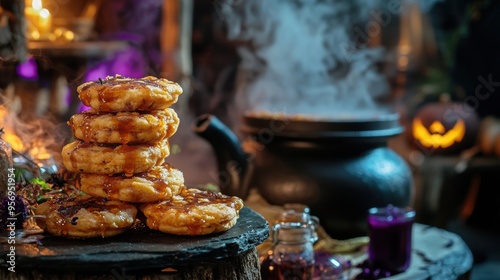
{"x": 291, "y": 126}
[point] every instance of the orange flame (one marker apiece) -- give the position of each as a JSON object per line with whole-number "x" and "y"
{"x": 9, "y": 135}
{"x": 35, "y": 147}
{"x": 13, "y": 140}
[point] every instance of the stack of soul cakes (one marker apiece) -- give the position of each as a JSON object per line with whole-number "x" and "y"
{"x": 119, "y": 153}
{"x": 122, "y": 142}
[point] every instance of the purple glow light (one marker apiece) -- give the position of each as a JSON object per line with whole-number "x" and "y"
{"x": 128, "y": 63}
{"x": 96, "y": 72}
{"x": 83, "y": 108}
{"x": 28, "y": 69}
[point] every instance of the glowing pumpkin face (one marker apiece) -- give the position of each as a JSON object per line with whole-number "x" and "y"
{"x": 447, "y": 127}
{"x": 437, "y": 136}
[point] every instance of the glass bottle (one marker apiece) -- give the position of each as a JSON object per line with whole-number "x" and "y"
{"x": 292, "y": 253}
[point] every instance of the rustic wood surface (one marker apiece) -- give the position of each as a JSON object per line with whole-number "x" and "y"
{"x": 244, "y": 266}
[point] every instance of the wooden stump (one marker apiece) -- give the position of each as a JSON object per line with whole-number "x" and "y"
{"x": 245, "y": 266}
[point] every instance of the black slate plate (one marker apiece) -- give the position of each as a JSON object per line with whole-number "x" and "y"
{"x": 138, "y": 249}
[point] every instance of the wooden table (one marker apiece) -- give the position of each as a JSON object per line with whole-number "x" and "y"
{"x": 437, "y": 254}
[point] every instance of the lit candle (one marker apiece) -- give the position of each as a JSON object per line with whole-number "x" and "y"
{"x": 44, "y": 21}
{"x": 39, "y": 20}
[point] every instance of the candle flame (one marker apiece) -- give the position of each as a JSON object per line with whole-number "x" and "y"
{"x": 44, "y": 13}
{"x": 36, "y": 4}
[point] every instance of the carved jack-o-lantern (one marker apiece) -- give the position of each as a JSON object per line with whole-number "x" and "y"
{"x": 444, "y": 127}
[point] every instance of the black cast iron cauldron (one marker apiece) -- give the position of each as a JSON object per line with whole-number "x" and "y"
{"x": 338, "y": 168}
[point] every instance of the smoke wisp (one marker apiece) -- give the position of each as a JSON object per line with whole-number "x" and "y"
{"x": 294, "y": 56}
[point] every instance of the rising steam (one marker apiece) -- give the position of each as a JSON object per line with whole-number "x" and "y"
{"x": 298, "y": 57}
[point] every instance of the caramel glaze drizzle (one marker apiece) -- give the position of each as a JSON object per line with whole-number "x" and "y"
{"x": 67, "y": 207}
{"x": 193, "y": 198}
{"x": 119, "y": 80}
{"x": 109, "y": 92}
{"x": 123, "y": 123}
{"x": 129, "y": 165}
{"x": 159, "y": 183}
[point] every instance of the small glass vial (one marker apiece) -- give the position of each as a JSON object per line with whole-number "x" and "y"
{"x": 292, "y": 253}
{"x": 390, "y": 232}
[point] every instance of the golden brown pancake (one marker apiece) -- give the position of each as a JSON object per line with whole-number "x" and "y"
{"x": 160, "y": 183}
{"x": 124, "y": 127}
{"x": 121, "y": 94}
{"x": 193, "y": 212}
{"x": 85, "y": 216}
{"x": 82, "y": 157}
